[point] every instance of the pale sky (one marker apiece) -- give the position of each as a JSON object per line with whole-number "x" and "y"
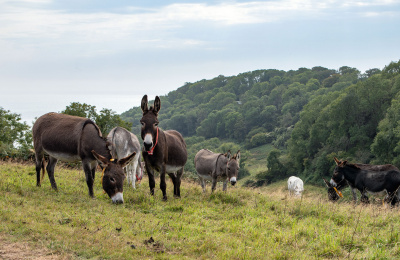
{"x": 110, "y": 53}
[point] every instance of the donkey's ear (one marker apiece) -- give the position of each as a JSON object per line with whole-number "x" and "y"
{"x": 238, "y": 156}
{"x": 157, "y": 105}
{"x": 336, "y": 160}
{"x": 228, "y": 154}
{"x": 144, "y": 104}
{"x": 101, "y": 159}
{"x": 124, "y": 161}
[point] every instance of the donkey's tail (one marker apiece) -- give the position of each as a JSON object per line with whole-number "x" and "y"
{"x": 43, "y": 169}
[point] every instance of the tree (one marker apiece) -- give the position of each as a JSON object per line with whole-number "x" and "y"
{"x": 392, "y": 68}
{"x": 82, "y": 110}
{"x": 276, "y": 170}
{"x": 15, "y": 136}
{"x": 106, "y": 120}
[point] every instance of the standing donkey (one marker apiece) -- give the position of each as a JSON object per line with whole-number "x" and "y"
{"x": 124, "y": 143}
{"x": 163, "y": 151}
{"x": 216, "y": 167}
{"x": 71, "y": 138}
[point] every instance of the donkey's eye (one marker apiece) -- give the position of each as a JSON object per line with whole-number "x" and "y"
{"x": 142, "y": 123}
{"x": 156, "y": 124}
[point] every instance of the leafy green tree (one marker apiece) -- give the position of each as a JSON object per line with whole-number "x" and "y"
{"x": 15, "y": 136}
{"x": 276, "y": 170}
{"x": 372, "y": 72}
{"x": 106, "y": 119}
{"x": 392, "y": 69}
{"x": 82, "y": 110}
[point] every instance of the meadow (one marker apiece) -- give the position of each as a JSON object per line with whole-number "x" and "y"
{"x": 242, "y": 223}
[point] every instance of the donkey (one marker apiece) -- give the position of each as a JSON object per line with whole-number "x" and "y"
{"x": 368, "y": 179}
{"x": 216, "y": 167}
{"x": 295, "y": 186}
{"x": 163, "y": 151}
{"x": 71, "y": 138}
{"x": 124, "y": 143}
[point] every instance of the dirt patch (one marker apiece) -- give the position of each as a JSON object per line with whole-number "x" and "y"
{"x": 23, "y": 250}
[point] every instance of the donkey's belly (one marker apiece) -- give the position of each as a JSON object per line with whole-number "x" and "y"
{"x": 205, "y": 176}
{"x": 172, "y": 168}
{"x": 65, "y": 157}
{"x": 377, "y": 193}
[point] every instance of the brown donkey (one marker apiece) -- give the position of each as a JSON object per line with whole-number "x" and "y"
{"x": 163, "y": 151}
{"x": 71, "y": 138}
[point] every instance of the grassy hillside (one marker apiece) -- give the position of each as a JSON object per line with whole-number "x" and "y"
{"x": 239, "y": 224}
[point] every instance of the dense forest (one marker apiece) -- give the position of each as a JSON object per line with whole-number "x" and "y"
{"x": 308, "y": 116}
{"x": 305, "y": 117}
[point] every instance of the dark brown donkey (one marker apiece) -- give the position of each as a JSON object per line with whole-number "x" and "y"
{"x": 71, "y": 138}
{"x": 163, "y": 151}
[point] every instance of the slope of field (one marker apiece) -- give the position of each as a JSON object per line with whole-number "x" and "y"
{"x": 238, "y": 224}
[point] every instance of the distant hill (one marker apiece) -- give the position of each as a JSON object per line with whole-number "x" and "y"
{"x": 309, "y": 115}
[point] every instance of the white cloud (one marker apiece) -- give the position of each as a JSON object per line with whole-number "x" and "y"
{"x": 23, "y": 22}
{"x": 33, "y": 29}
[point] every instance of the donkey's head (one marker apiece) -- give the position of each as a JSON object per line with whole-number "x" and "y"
{"x": 113, "y": 175}
{"x": 338, "y": 173}
{"x": 149, "y": 123}
{"x": 232, "y": 167}
{"x": 333, "y": 194}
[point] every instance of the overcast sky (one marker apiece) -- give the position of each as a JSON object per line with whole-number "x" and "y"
{"x": 110, "y": 53}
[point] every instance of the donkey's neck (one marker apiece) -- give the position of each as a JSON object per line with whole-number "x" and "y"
{"x": 351, "y": 172}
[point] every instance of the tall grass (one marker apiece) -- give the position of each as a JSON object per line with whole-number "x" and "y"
{"x": 241, "y": 223}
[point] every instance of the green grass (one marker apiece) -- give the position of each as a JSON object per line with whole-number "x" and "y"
{"x": 241, "y": 223}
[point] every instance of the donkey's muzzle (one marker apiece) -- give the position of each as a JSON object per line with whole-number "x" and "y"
{"x": 233, "y": 181}
{"x": 147, "y": 146}
{"x": 148, "y": 142}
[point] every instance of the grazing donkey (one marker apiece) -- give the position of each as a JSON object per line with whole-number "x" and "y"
{"x": 216, "y": 167}
{"x": 163, "y": 151}
{"x": 368, "y": 179}
{"x": 295, "y": 186}
{"x": 124, "y": 143}
{"x": 71, "y": 138}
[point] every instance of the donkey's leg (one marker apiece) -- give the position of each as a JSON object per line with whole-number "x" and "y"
{"x": 392, "y": 198}
{"x": 173, "y": 179}
{"x": 214, "y": 184}
{"x": 163, "y": 184}
{"x": 150, "y": 173}
{"x": 87, "y": 168}
{"x": 225, "y": 183}
{"x": 203, "y": 184}
{"x": 50, "y": 171}
{"x": 127, "y": 175}
{"x": 132, "y": 170}
{"x": 364, "y": 198}
{"x": 39, "y": 166}
{"x": 354, "y": 192}
{"x": 177, "y": 184}
{"x": 93, "y": 166}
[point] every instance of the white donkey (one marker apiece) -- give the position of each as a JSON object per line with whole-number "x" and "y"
{"x": 124, "y": 142}
{"x": 295, "y": 186}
